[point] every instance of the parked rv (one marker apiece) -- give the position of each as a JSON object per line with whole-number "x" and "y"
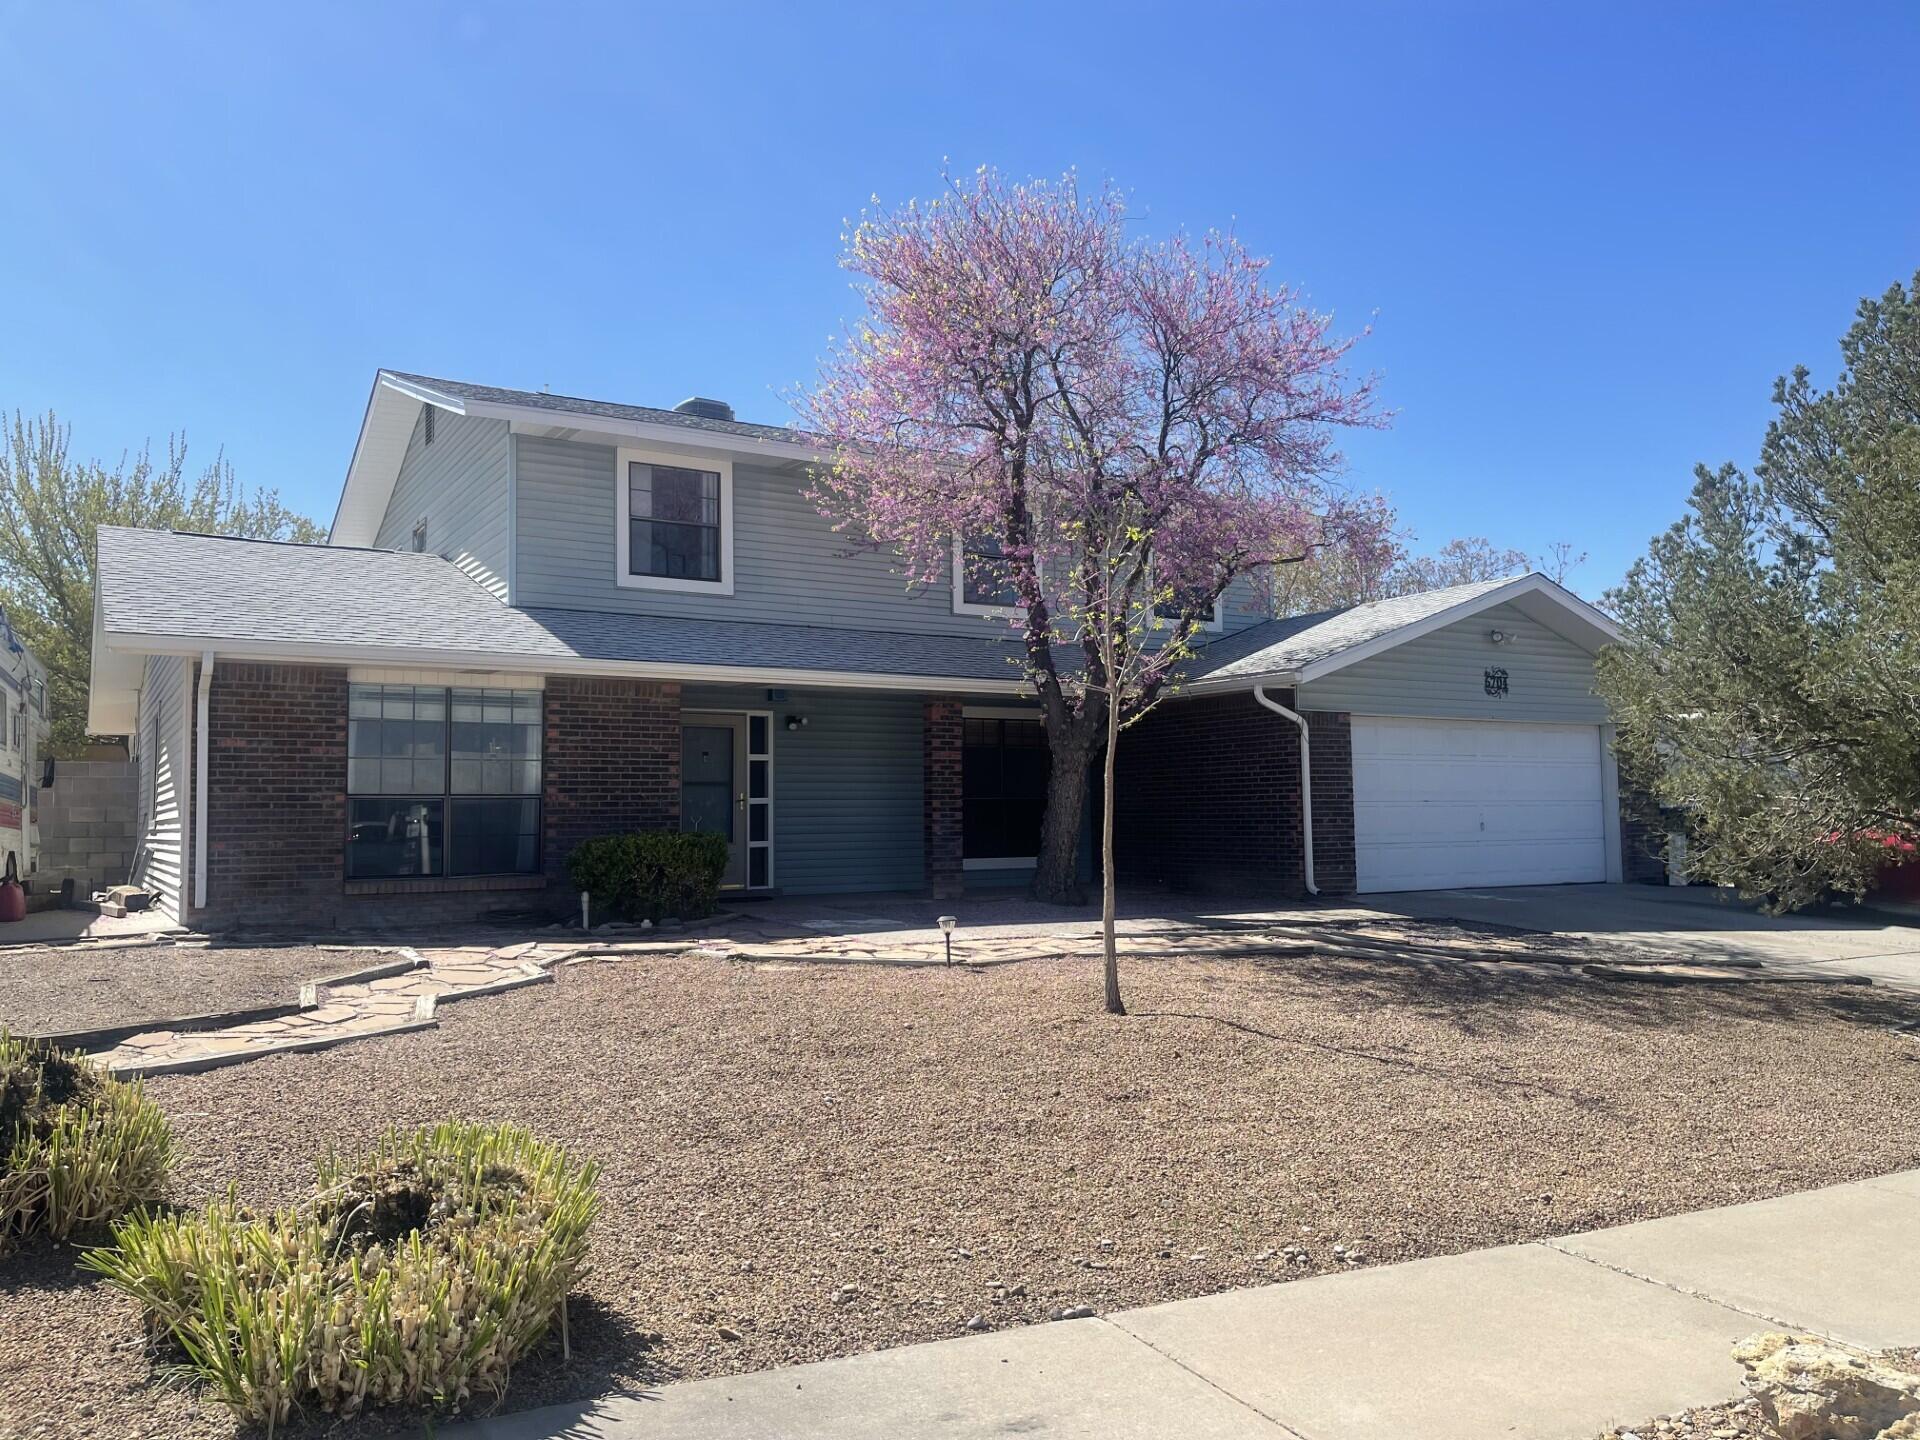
{"x": 23, "y": 725}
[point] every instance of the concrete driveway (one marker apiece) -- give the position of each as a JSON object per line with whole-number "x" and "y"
{"x": 1690, "y": 922}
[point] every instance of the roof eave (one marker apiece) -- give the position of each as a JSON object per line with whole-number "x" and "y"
{"x": 140, "y": 643}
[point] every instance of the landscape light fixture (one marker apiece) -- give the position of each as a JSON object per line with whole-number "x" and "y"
{"x": 947, "y": 922}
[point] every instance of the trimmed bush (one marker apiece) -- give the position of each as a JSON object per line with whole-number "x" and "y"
{"x": 652, "y": 874}
{"x": 77, "y": 1149}
{"x": 420, "y": 1276}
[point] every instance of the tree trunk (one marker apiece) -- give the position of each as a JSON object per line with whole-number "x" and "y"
{"x": 1114, "y": 1003}
{"x": 1056, "y": 879}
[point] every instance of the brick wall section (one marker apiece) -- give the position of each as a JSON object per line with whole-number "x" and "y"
{"x": 276, "y": 799}
{"x": 612, "y": 762}
{"x": 1208, "y": 798}
{"x": 943, "y": 735}
{"x": 1330, "y": 735}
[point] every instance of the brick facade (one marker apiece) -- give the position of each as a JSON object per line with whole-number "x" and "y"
{"x": 612, "y": 762}
{"x": 943, "y": 736}
{"x": 1207, "y": 797}
{"x": 276, "y": 812}
{"x": 277, "y": 792}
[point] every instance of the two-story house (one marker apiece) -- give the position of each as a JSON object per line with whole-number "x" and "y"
{"x": 540, "y": 619}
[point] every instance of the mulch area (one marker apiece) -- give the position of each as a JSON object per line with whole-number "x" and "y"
{"x": 826, "y": 1159}
{"x": 86, "y": 987}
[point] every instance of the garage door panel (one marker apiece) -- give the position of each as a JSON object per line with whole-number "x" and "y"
{"x": 1441, "y": 803}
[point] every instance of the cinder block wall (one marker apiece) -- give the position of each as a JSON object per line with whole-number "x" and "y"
{"x": 1207, "y": 798}
{"x": 87, "y": 824}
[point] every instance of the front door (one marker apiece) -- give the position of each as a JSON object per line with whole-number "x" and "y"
{"x": 713, "y": 785}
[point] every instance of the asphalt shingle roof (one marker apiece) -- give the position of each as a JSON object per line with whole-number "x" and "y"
{"x": 1280, "y": 646}
{"x": 574, "y": 405}
{"x": 223, "y": 590}
{"x": 226, "y": 590}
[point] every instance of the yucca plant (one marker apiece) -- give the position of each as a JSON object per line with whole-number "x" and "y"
{"x": 77, "y": 1149}
{"x": 420, "y": 1275}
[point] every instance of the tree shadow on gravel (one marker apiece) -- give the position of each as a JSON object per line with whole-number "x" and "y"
{"x": 1407, "y": 1061}
{"x": 1507, "y": 995}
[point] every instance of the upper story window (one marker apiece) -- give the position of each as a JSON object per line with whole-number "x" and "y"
{"x": 983, "y": 578}
{"x": 675, "y": 520}
{"x": 1167, "y": 614}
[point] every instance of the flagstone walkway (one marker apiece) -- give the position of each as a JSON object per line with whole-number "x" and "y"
{"x": 400, "y": 993}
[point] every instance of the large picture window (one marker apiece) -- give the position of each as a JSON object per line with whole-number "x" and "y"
{"x": 442, "y": 781}
{"x": 1004, "y": 788}
{"x": 676, "y": 523}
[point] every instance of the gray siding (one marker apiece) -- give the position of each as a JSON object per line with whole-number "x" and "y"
{"x": 847, "y": 788}
{"x": 789, "y": 565}
{"x": 1443, "y": 675}
{"x": 165, "y": 746}
{"x": 459, "y": 483}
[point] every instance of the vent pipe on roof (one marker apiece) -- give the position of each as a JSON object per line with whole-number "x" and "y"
{"x": 706, "y": 409}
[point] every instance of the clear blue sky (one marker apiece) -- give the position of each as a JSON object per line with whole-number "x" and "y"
{"x": 1588, "y": 239}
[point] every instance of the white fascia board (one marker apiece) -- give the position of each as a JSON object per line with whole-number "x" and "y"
{"x": 1228, "y": 684}
{"x": 378, "y": 452}
{"x": 533, "y": 420}
{"x": 420, "y": 658}
{"x": 113, "y": 684}
{"x": 1595, "y": 624}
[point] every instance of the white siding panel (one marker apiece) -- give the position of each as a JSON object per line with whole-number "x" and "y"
{"x": 459, "y": 485}
{"x": 166, "y": 769}
{"x": 1444, "y": 675}
{"x": 1443, "y": 803}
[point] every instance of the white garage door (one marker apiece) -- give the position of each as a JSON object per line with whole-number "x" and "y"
{"x": 1439, "y": 804}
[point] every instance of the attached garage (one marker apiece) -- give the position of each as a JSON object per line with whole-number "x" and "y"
{"x": 1436, "y": 741}
{"x": 1439, "y": 804}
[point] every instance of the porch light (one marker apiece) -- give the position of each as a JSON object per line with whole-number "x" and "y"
{"x": 947, "y": 922}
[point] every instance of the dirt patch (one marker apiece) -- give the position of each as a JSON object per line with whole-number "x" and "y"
{"x": 85, "y": 987}
{"x": 822, "y": 1160}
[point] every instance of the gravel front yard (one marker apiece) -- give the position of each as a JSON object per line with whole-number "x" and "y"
{"x": 827, "y": 1159}
{"x": 83, "y": 987}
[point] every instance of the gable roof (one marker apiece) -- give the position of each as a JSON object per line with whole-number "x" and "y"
{"x": 399, "y": 395}
{"x": 163, "y": 592}
{"x": 1302, "y": 648}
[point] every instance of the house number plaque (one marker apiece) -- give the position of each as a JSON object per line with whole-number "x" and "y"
{"x": 1496, "y": 682}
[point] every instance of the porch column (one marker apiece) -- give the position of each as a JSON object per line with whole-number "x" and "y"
{"x": 942, "y": 733}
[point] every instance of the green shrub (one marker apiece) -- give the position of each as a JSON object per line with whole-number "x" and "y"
{"x": 418, "y": 1277}
{"x": 77, "y": 1149}
{"x": 652, "y": 874}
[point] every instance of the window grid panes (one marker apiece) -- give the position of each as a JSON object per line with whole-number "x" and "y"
{"x": 442, "y": 781}
{"x": 1004, "y": 769}
{"x": 673, "y": 522}
{"x": 986, "y": 576}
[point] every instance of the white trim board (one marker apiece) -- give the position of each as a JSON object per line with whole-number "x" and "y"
{"x": 128, "y": 643}
{"x": 623, "y": 575}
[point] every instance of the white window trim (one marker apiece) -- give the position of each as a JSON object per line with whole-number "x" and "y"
{"x": 964, "y": 606}
{"x": 623, "y": 529}
{"x": 1213, "y": 625}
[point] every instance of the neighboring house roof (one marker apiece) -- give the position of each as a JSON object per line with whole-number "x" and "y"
{"x": 1303, "y": 648}
{"x": 397, "y": 398}
{"x": 167, "y": 592}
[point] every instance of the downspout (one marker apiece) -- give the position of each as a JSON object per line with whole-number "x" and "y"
{"x": 1306, "y": 780}
{"x": 200, "y": 783}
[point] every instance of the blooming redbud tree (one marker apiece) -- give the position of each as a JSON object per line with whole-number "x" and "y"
{"x": 1122, "y": 429}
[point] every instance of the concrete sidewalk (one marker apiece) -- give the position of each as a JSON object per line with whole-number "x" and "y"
{"x": 1556, "y": 1340}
